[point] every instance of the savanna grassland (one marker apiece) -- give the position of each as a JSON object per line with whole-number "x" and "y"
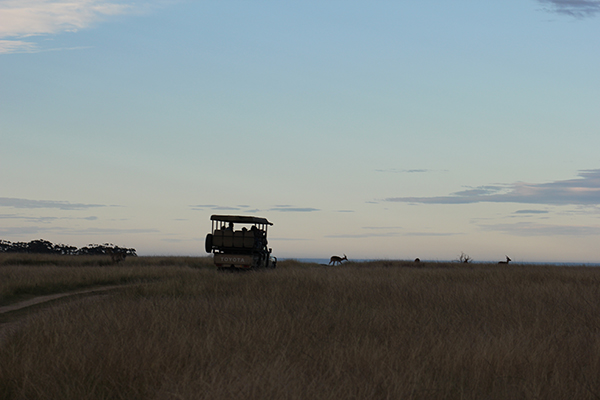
{"x": 377, "y": 330}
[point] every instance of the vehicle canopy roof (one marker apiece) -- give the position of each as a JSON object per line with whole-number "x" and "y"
{"x": 240, "y": 219}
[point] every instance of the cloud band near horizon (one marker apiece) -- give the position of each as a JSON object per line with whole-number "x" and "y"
{"x": 584, "y": 190}
{"x": 61, "y": 205}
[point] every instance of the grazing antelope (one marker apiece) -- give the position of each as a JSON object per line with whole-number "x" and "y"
{"x": 337, "y": 259}
{"x": 505, "y": 262}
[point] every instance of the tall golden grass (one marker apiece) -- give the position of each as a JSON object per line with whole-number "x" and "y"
{"x": 359, "y": 331}
{"x": 26, "y": 275}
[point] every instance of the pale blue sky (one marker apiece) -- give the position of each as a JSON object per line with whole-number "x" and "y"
{"x": 375, "y": 129}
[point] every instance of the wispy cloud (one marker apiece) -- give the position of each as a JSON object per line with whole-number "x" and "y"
{"x": 37, "y": 230}
{"x": 61, "y": 205}
{"x": 574, "y": 8}
{"x": 433, "y": 233}
{"x": 408, "y": 171}
{"x": 293, "y": 209}
{"x": 203, "y": 206}
{"x": 20, "y": 19}
{"x": 43, "y": 219}
{"x": 535, "y": 229}
{"x": 247, "y": 209}
{"x": 39, "y": 220}
{"x": 383, "y": 227}
{"x": 213, "y": 207}
{"x": 17, "y": 46}
{"x": 584, "y": 190}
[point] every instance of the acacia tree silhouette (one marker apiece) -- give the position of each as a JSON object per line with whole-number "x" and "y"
{"x": 41, "y": 246}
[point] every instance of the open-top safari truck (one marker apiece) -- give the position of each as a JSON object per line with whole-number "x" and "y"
{"x": 236, "y": 246}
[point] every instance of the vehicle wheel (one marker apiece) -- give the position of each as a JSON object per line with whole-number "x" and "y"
{"x": 208, "y": 243}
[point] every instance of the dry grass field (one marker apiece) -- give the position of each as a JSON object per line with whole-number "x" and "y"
{"x": 378, "y": 330}
{"x": 25, "y": 275}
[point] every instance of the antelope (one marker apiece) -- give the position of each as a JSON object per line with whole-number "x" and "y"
{"x": 337, "y": 259}
{"x": 505, "y": 262}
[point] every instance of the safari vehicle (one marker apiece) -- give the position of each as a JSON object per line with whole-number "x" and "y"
{"x": 239, "y": 242}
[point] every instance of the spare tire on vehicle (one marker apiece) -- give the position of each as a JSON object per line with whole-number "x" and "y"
{"x": 208, "y": 244}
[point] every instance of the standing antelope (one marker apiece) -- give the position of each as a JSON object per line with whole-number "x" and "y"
{"x": 505, "y": 262}
{"x": 337, "y": 259}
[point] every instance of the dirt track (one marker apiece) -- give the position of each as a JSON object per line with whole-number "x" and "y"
{"x": 50, "y": 297}
{"x": 7, "y": 328}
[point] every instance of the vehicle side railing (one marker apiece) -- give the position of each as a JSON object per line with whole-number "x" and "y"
{"x": 226, "y": 238}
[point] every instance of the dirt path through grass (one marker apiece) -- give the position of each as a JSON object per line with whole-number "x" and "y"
{"x": 11, "y": 326}
{"x": 50, "y": 297}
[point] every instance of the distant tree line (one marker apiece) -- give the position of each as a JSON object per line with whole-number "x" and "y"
{"x": 41, "y": 246}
